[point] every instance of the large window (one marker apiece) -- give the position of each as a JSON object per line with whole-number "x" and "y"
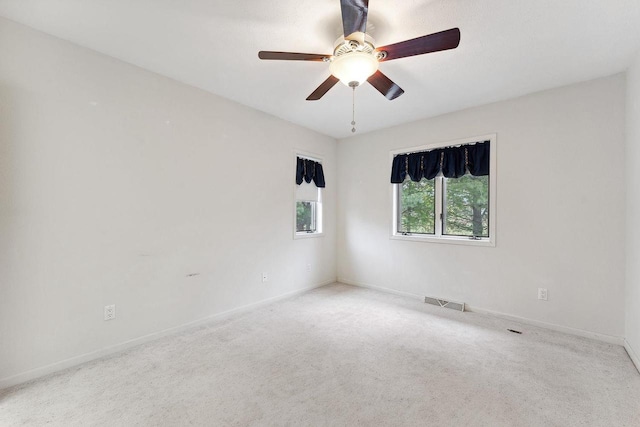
{"x": 308, "y": 196}
{"x": 429, "y": 206}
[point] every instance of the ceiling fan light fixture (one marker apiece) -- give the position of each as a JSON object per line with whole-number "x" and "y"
{"x": 355, "y": 57}
{"x": 353, "y": 67}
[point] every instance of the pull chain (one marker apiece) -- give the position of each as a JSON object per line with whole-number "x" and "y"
{"x": 353, "y": 111}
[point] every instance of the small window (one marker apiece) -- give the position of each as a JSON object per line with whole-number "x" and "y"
{"x": 308, "y": 204}
{"x": 306, "y": 217}
{"x": 452, "y": 210}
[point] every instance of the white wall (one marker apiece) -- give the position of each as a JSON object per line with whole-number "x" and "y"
{"x": 560, "y": 215}
{"x": 633, "y": 213}
{"x": 116, "y": 183}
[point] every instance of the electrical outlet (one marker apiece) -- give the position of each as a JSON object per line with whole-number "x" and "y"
{"x": 542, "y": 294}
{"x": 265, "y": 277}
{"x": 109, "y": 312}
{"x": 308, "y": 267}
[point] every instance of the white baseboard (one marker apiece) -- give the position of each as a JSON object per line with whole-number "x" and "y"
{"x": 551, "y": 326}
{"x": 83, "y": 358}
{"x": 380, "y": 288}
{"x": 632, "y": 354}
{"x": 610, "y": 339}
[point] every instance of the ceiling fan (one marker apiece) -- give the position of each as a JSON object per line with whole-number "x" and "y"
{"x": 355, "y": 57}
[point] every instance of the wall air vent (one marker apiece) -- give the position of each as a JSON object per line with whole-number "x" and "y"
{"x": 444, "y": 303}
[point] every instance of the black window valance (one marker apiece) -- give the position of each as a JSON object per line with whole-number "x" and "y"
{"x": 454, "y": 162}
{"x": 309, "y": 170}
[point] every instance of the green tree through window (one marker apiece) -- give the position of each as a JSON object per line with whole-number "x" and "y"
{"x": 466, "y": 206}
{"x": 417, "y": 207}
{"x": 305, "y": 218}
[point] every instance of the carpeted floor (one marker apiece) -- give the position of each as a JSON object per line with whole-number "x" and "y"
{"x": 341, "y": 355}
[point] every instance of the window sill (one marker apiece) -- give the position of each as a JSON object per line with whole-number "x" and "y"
{"x": 307, "y": 235}
{"x": 452, "y": 240}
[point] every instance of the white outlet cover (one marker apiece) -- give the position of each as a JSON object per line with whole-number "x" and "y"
{"x": 542, "y": 294}
{"x": 109, "y": 312}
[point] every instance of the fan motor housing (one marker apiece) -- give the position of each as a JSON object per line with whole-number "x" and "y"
{"x": 356, "y": 42}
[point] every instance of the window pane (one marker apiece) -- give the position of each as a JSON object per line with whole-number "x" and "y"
{"x": 305, "y": 217}
{"x": 466, "y": 206}
{"x": 416, "y": 207}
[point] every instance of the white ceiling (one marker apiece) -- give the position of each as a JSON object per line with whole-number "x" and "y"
{"x": 508, "y": 48}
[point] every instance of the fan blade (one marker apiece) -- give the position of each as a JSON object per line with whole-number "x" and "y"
{"x": 385, "y": 86}
{"x": 444, "y": 40}
{"x": 354, "y": 16}
{"x": 292, "y": 56}
{"x": 323, "y": 88}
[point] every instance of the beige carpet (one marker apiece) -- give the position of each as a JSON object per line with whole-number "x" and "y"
{"x": 341, "y": 355}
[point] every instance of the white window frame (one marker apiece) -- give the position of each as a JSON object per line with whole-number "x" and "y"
{"x": 318, "y": 209}
{"x": 438, "y": 237}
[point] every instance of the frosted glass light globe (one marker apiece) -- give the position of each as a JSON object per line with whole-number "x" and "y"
{"x": 353, "y": 67}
